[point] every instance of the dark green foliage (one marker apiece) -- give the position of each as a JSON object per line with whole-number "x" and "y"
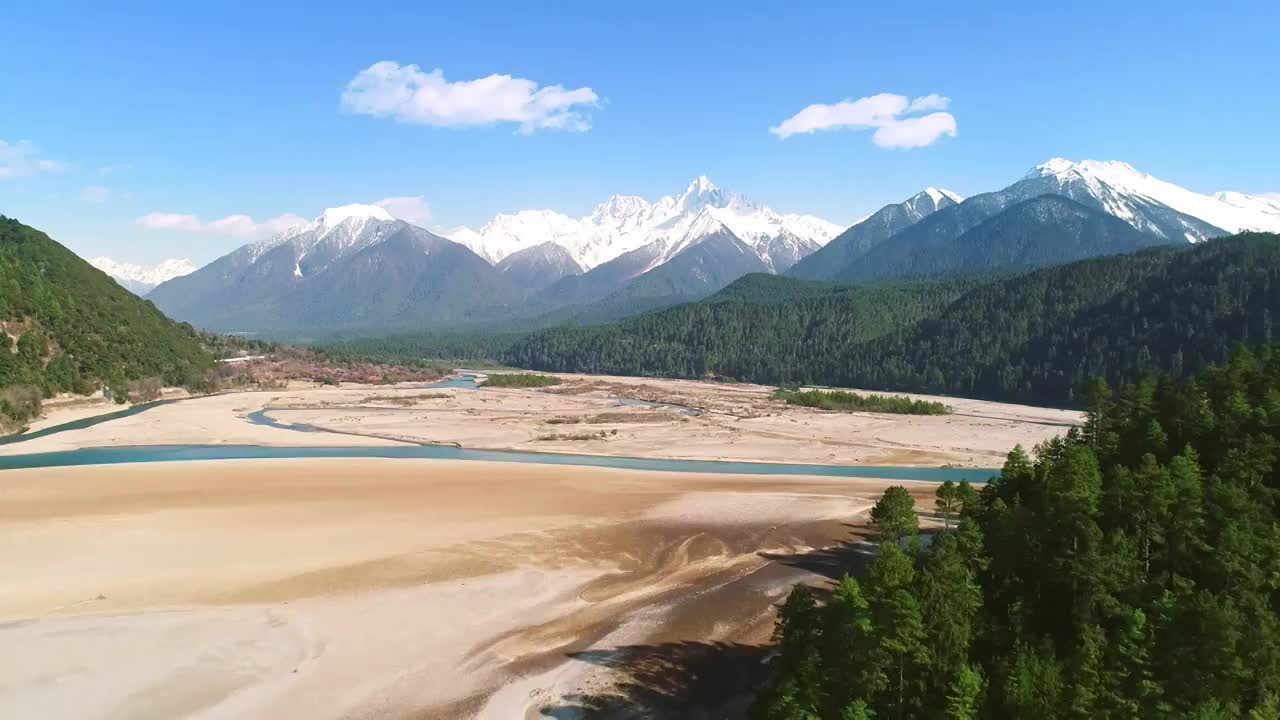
{"x": 474, "y": 349}
{"x": 77, "y": 328}
{"x": 1131, "y": 570}
{"x": 894, "y": 515}
{"x": 851, "y": 402}
{"x": 794, "y": 334}
{"x": 522, "y": 380}
{"x": 1033, "y": 338}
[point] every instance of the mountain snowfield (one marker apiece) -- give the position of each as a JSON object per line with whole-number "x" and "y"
{"x": 337, "y": 233}
{"x": 141, "y": 278}
{"x": 624, "y": 223}
{"x": 1118, "y": 185}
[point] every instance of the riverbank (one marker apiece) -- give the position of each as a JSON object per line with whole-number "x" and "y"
{"x": 388, "y": 588}
{"x": 585, "y": 415}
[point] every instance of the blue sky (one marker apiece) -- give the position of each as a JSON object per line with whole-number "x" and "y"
{"x": 237, "y": 109}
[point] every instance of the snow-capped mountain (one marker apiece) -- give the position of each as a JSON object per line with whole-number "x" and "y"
{"x": 140, "y": 279}
{"x": 870, "y": 231}
{"x": 1127, "y": 193}
{"x": 624, "y": 223}
{"x": 353, "y": 266}
{"x": 1015, "y": 228}
{"x": 337, "y": 233}
{"x": 535, "y": 268}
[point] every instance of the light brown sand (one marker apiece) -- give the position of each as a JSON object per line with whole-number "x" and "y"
{"x": 378, "y": 588}
{"x": 741, "y": 422}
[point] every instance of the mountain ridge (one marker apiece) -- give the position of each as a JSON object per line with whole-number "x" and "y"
{"x": 623, "y": 223}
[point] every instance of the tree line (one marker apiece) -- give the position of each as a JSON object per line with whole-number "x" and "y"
{"x": 1032, "y": 338}
{"x": 851, "y": 401}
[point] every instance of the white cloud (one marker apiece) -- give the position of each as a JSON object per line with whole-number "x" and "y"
{"x": 915, "y": 132}
{"x": 95, "y": 194}
{"x": 241, "y": 226}
{"x": 933, "y": 101}
{"x": 237, "y": 225}
{"x": 895, "y": 118}
{"x": 411, "y": 209}
{"x": 170, "y": 221}
{"x": 1272, "y": 196}
{"x": 280, "y": 223}
{"x": 406, "y": 93}
{"x": 22, "y": 159}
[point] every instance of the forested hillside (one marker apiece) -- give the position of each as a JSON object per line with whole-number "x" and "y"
{"x": 68, "y": 327}
{"x": 771, "y": 340}
{"x": 1031, "y": 338}
{"x": 1132, "y": 570}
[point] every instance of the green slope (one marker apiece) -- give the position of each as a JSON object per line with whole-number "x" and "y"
{"x": 69, "y": 327}
{"x": 791, "y": 332}
{"x": 1030, "y": 338}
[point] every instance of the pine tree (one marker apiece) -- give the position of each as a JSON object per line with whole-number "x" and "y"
{"x": 795, "y": 695}
{"x": 964, "y": 695}
{"x": 894, "y": 515}
{"x": 947, "y": 501}
{"x": 898, "y": 652}
{"x": 846, "y": 642}
{"x": 949, "y": 599}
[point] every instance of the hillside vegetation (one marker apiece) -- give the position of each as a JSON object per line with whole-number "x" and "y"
{"x": 1130, "y": 570}
{"x": 1030, "y": 338}
{"x": 68, "y": 327}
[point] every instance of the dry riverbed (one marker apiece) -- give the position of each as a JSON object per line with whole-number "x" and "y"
{"x": 396, "y": 588}
{"x": 585, "y": 415}
{"x": 377, "y": 588}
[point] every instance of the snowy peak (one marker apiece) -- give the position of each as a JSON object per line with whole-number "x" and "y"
{"x": 623, "y": 223}
{"x": 337, "y": 232}
{"x": 928, "y": 201}
{"x": 1250, "y": 203}
{"x": 938, "y": 195}
{"x": 701, "y": 192}
{"x": 621, "y": 207}
{"x": 1052, "y": 166}
{"x": 701, "y": 184}
{"x": 141, "y": 278}
{"x": 1123, "y": 190}
{"x": 346, "y": 223}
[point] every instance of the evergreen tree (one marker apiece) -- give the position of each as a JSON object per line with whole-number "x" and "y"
{"x": 964, "y": 695}
{"x": 846, "y": 640}
{"x": 1131, "y": 575}
{"x": 898, "y": 651}
{"x": 947, "y": 501}
{"x": 894, "y": 515}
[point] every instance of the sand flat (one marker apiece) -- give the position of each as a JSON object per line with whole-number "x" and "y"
{"x": 374, "y": 588}
{"x": 740, "y": 422}
{"x": 349, "y": 588}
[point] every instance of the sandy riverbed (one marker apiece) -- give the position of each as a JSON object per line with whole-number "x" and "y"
{"x": 738, "y": 422}
{"x": 393, "y": 588}
{"x": 433, "y": 589}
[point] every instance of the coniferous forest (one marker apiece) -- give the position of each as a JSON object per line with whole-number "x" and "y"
{"x": 1033, "y": 338}
{"x": 1130, "y": 570}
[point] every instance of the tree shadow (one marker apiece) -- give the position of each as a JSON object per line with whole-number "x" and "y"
{"x": 850, "y": 557}
{"x": 701, "y": 680}
{"x": 693, "y": 680}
